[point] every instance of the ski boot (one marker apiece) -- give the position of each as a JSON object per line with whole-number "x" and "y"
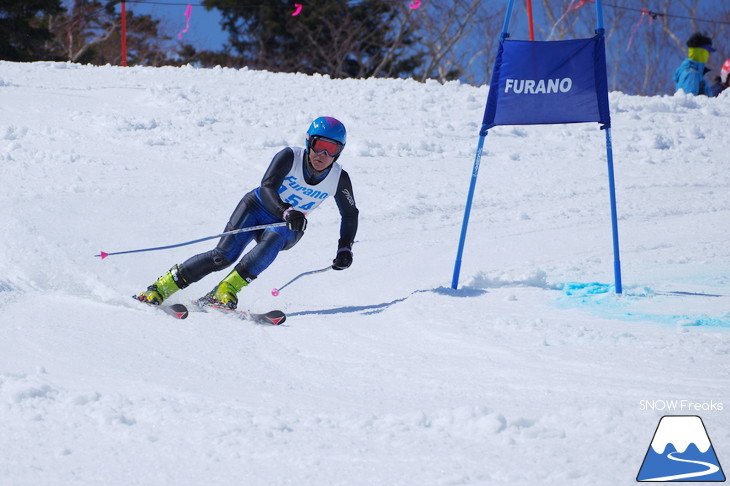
{"x": 163, "y": 288}
{"x": 225, "y": 294}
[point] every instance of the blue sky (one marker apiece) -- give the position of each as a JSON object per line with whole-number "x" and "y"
{"x": 204, "y": 32}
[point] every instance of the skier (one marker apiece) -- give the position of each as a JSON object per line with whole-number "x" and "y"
{"x": 690, "y": 75}
{"x": 295, "y": 183}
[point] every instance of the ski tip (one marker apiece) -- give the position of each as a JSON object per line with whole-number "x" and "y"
{"x": 103, "y": 255}
{"x": 275, "y": 317}
{"x": 275, "y": 292}
{"x": 179, "y": 311}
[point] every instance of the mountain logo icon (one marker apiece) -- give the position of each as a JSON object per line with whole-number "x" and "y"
{"x": 680, "y": 451}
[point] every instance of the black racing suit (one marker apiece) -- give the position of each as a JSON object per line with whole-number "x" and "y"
{"x": 264, "y": 206}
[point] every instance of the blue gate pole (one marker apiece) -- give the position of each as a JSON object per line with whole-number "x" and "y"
{"x": 614, "y": 218}
{"x": 467, "y": 210}
{"x": 611, "y": 183}
{"x": 475, "y": 172}
{"x": 507, "y": 16}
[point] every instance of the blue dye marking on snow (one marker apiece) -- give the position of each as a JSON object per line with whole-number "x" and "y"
{"x": 601, "y": 300}
{"x": 585, "y": 289}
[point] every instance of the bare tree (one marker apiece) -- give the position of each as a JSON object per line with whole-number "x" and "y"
{"x": 664, "y": 42}
{"x": 614, "y": 49}
{"x": 567, "y": 19}
{"x": 84, "y": 26}
{"x": 645, "y": 39}
{"x": 442, "y": 27}
{"x": 458, "y": 39}
{"x": 90, "y": 33}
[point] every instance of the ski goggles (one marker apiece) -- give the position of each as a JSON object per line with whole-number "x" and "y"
{"x": 322, "y": 145}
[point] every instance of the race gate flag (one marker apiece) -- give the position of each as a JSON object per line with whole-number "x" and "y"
{"x": 548, "y": 82}
{"x": 681, "y": 451}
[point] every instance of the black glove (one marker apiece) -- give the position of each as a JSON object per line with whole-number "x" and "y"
{"x": 343, "y": 259}
{"x": 295, "y": 220}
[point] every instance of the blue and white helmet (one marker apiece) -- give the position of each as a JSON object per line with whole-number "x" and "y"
{"x": 329, "y": 128}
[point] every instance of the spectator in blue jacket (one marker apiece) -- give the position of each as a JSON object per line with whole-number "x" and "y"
{"x": 690, "y": 75}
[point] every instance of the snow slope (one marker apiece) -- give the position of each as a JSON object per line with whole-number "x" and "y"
{"x": 533, "y": 372}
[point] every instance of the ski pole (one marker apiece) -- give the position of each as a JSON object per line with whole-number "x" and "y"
{"x": 103, "y": 254}
{"x": 275, "y": 292}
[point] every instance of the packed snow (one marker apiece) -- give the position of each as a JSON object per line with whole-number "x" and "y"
{"x": 534, "y": 371}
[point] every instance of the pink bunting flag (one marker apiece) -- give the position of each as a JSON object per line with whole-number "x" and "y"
{"x": 188, "y": 11}
{"x": 644, "y": 13}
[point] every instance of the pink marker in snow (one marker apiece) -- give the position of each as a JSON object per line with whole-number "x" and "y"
{"x": 275, "y": 292}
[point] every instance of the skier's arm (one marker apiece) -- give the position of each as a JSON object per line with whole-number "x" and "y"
{"x": 345, "y": 199}
{"x": 280, "y": 166}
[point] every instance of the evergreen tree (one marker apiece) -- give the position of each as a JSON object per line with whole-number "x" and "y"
{"x": 335, "y": 37}
{"x": 23, "y": 37}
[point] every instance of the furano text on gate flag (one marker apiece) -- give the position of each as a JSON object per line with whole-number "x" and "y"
{"x": 548, "y": 82}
